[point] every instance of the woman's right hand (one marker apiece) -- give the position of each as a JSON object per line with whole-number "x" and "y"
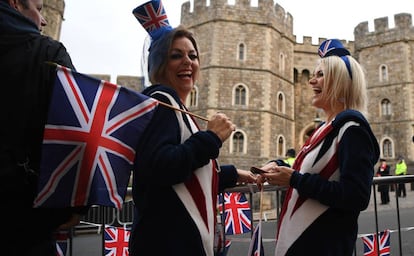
{"x": 221, "y": 125}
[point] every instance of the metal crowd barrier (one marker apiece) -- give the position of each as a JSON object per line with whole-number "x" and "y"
{"x": 98, "y": 217}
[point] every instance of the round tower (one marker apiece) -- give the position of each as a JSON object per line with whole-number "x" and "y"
{"x": 387, "y": 54}
{"x": 246, "y": 55}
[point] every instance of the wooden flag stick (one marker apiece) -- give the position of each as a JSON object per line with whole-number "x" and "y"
{"x": 182, "y": 110}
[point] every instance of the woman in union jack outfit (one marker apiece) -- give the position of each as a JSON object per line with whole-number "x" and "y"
{"x": 330, "y": 182}
{"x": 177, "y": 177}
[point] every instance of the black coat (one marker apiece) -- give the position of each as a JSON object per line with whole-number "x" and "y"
{"x": 26, "y": 84}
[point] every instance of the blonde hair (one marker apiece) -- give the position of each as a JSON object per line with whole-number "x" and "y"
{"x": 352, "y": 93}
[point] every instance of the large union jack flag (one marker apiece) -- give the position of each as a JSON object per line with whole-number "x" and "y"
{"x": 116, "y": 241}
{"x": 237, "y": 213}
{"x": 89, "y": 141}
{"x": 371, "y": 247}
{"x": 152, "y": 17}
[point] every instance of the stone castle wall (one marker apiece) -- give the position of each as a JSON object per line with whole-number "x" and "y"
{"x": 267, "y": 32}
{"x": 53, "y": 12}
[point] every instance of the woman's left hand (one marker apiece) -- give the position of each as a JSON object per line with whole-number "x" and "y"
{"x": 246, "y": 176}
{"x": 280, "y": 176}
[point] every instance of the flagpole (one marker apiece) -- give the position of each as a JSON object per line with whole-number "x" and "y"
{"x": 159, "y": 102}
{"x": 261, "y": 204}
{"x": 260, "y": 223}
{"x": 182, "y": 110}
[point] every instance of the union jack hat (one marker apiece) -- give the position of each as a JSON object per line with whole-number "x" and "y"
{"x": 332, "y": 47}
{"x": 152, "y": 16}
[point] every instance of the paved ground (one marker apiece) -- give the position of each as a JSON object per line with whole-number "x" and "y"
{"x": 91, "y": 244}
{"x": 403, "y": 202}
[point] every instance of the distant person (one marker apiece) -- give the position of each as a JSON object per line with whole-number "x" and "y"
{"x": 401, "y": 169}
{"x": 27, "y": 83}
{"x": 331, "y": 178}
{"x": 384, "y": 170}
{"x": 177, "y": 177}
{"x": 290, "y": 156}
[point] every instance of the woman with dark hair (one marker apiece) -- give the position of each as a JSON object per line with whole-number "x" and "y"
{"x": 177, "y": 177}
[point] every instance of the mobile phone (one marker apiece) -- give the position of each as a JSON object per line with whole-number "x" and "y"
{"x": 256, "y": 170}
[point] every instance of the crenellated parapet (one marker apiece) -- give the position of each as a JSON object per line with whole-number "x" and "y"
{"x": 265, "y": 13}
{"x": 403, "y": 30}
{"x": 308, "y": 46}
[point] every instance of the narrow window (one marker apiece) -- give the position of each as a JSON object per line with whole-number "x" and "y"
{"x": 240, "y": 95}
{"x": 387, "y": 148}
{"x": 238, "y": 142}
{"x": 241, "y": 51}
{"x": 385, "y": 107}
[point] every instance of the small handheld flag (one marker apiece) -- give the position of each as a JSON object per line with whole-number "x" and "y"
{"x": 89, "y": 141}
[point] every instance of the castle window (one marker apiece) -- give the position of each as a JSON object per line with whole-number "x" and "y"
{"x": 280, "y": 103}
{"x": 242, "y": 51}
{"x": 282, "y": 63}
{"x": 295, "y": 76}
{"x": 387, "y": 149}
{"x": 386, "y": 107}
{"x": 240, "y": 95}
{"x": 280, "y": 146}
{"x": 192, "y": 101}
{"x": 305, "y": 77}
{"x": 238, "y": 143}
{"x": 383, "y": 73}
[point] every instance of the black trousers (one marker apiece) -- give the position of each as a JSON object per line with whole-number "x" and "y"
{"x": 401, "y": 190}
{"x": 385, "y": 195}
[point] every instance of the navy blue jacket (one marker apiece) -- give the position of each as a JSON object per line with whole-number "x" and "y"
{"x": 335, "y": 231}
{"x": 161, "y": 224}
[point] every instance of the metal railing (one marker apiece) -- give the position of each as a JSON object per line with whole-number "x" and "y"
{"x": 98, "y": 217}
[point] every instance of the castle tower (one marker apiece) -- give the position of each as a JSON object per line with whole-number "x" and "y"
{"x": 247, "y": 73}
{"x": 53, "y": 13}
{"x": 387, "y": 54}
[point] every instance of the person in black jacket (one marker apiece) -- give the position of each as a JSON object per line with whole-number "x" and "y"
{"x": 26, "y": 82}
{"x": 384, "y": 170}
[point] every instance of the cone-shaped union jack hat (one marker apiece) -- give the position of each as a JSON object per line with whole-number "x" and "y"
{"x": 153, "y": 18}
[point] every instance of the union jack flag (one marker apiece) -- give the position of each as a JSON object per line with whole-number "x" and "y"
{"x": 62, "y": 241}
{"x": 371, "y": 246}
{"x": 226, "y": 248}
{"x": 237, "y": 213}
{"x": 152, "y": 16}
{"x": 89, "y": 141}
{"x": 116, "y": 241}
{"x": 256, "y": 245}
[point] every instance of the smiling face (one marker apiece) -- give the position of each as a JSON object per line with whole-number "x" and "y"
{"x": 317, "y": 82}
{"x": 182, "y": 67}
{"x": 328, "y": 89}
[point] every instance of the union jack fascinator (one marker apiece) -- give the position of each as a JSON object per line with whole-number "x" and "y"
{"x": 334, "y": 47}
{"x": 152, "y": 16}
